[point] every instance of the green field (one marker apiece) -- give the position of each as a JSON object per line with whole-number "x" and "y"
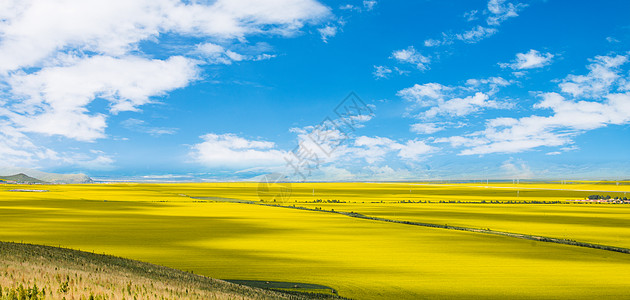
{"x": 359, "y": 258}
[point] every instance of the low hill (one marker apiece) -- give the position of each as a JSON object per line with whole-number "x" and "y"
{"x": 58, "y": 273}
{"x": 47, "y": 177}
{"x": 21, "y": 178}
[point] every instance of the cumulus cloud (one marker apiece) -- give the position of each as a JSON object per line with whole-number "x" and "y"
{"x": 424, "y": 94}
{"x": 57, "y": 57}
{"x": 234, "y": 152}
{"x": 55, "y": 98}
{"x": 32, "y": 33}
{"x": 455, "y": 101}
{"x": 585, "y": 102}
{"x": 530, "y": 60}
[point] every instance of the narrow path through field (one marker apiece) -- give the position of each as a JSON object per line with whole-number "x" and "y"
{"x": 476, "y": 230}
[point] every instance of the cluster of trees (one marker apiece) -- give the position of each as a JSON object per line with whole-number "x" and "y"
{"x": 328, "y": 201}
{"x": 607, "y": 197}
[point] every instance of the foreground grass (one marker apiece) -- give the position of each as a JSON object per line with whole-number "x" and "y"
{"x": 42, "y": 272}
{"x": 359, "y": 258}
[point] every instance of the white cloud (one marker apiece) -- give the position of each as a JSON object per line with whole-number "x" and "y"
{"x": 369, "y": 4}
{"x": 57, "y": 57}
{"x": 568, "y": 118}
{"x": 141, "y": 126}
{"x": 411, "y": 56}
{"x": 501, "y": 11}
{"x": 374, "y": 149}
{"x": 348, "y": 7}
{"x": 497, "y": 12}
{"x": 415, "y": 150}
{"x": 455, "y": 101}
{"x": 432, "y": 43}
{"x": 471, "y": 15}
{"x": 216, "y": 54}
{"x": 231, "y": 151}
{"x": 530, "y": 60}
{"x": 611, "y": 39}
{"x": 434, "y": 99}
{"x": 31, "y": 33}
{"x": 18, "y": 150}
{"x": 462, "y": 106}
{"x": 381, "y": 72}
{"x": 423, "y": 94}
{"x": 425, "y": 128}
{"x": 493, "y": 83}
{"x": 476, "y": 34}
{"x": 327, "y": 32}
{"x": 56, "y": 97}
{"x": 603, "y": 73}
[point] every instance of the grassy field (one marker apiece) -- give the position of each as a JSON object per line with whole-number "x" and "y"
{"x": 360, "y": 259}
{"x": 44, "y": 272}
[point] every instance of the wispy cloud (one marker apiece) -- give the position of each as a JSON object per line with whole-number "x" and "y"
{"x": 497, "y": 12}
{"x": 411, "y": 56}
{"x": 530, "y": 60}
{"x": 327, "y": 32}
{"x": 141, "y": 126}
{"x": 381, "y": 72}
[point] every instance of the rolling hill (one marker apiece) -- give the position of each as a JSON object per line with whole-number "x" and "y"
{"x": 56, "y": 273}
{"x": 22, "y": 178}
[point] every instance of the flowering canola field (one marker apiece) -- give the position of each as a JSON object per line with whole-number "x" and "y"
{"x": 361, "y": 259}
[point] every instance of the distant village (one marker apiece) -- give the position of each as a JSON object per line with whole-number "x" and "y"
{"x": 603, "y": 199}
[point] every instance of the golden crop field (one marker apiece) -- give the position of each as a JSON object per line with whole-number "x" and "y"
{"x": 361, "y": 259}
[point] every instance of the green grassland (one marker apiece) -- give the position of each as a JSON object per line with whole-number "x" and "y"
{"x": 359, "y": 258}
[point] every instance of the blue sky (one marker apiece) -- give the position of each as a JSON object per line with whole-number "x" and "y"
{"x": 231, "y": 90}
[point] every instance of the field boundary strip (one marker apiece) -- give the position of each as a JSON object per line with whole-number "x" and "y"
{"x": 537, "y": 238}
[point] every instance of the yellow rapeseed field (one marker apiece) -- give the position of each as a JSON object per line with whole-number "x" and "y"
{"x": 362, "y": 259}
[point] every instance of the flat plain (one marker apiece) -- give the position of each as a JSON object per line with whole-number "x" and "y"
{"x": 175, "y": 225}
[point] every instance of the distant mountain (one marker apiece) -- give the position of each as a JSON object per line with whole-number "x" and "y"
{"x": 47, "y": 177}
{"x": 22, "y": 178}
